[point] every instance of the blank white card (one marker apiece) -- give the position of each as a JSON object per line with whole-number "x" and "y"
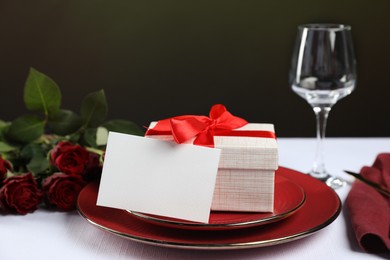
{"x": 158, "y": 177}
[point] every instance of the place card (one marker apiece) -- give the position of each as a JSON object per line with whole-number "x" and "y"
{"x": 158, "y": 177}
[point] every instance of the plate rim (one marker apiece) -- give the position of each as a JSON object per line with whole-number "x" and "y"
{"x": 222, "y": 246}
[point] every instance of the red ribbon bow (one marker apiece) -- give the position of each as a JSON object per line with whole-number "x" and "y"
{"x": 203, "y": 128}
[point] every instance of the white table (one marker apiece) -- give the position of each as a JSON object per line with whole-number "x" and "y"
{"x": 55, "y": 235}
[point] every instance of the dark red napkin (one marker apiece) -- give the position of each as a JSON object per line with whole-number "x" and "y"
{"x": 369, "y": 210}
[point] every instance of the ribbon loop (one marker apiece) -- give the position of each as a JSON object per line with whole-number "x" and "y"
{"x": 184, "y": 129}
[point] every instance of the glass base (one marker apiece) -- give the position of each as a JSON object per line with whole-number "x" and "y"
{"x": 331, "y": 181}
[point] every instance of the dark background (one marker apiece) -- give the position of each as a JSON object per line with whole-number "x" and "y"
{"x": 158, "y": 58}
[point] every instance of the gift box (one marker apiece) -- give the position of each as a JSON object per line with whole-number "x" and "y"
{"x": 249, "y": 157}
{"x": 246, "y": 171}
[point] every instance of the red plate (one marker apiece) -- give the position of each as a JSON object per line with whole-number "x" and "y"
{"x": 289, "y": 197}
{"x": 322, "y": 206}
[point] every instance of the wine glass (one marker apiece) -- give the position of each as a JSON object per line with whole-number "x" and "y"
{"x": 323, "y": 70}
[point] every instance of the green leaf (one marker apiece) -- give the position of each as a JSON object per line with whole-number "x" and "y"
{"x": 36, "y": 155}
{"x": 38, "y": 164}
{"x": 5, "y": 147}
{"x": 3, "y": 128}
{"x": 123, "y": 126}
{"x": 64, "y": 122}
{"x": 3, "y": 124}
{"x": 27, "y": 152}
{"x": 94, "y": 109}
{"x": 41, "y": 93}
{"x": 26, "y": 129}
{"x": 89, "y": 137}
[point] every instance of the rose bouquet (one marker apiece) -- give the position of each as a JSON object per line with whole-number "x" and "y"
{"x": 48, "y": 156}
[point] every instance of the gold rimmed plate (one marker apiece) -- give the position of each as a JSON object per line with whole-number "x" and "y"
{"x": 289, "y": 197}
{"x": 321, "y": 208}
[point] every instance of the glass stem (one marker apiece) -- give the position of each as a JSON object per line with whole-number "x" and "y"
{"x": 322, "y": 113}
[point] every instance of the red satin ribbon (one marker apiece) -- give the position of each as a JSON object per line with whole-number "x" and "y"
{"x": 220, "y": 123}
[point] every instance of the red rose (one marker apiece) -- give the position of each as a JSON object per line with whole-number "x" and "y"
{"x": 20, "y": 194}
{"x": 61, "y": 190}
{"x": 4, "y": 167}
{"x": 69, "y": 158}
